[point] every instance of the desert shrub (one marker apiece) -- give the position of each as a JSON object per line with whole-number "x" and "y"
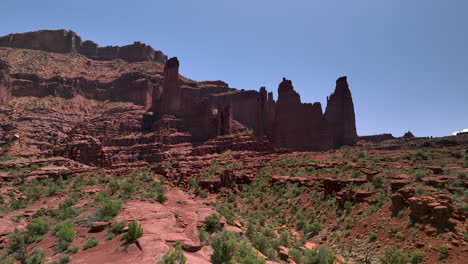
{"x": 109, "y": 210}
{"x": 321, "y": 255}
{"x": 393, "y": 256}
{"x": 161, "y": 198}
{"x": 284, "y": 239}
{"x": 114, "y": 186}
{"x": 348, "y": 206}
{"x": 134, "y": 232}
{"x": 212, "y": 223}
{"x": 36, "y": 229}
{"x": 372, "y": 236}
{"x": 400, "y": 236}
{"x": 377, "y": 182}
{"x": 18, "y": 245}
{"x": 92, "y": 242}
{"x": 415, "y": 257}
{"x": 37, "y": 257}
{"x": 420, "y": 190}
{"x": 263, "y": 244}
{"x": 175, "y": 255}
{"x": 65, "y": 235}
{"x": 456, "y": 154}
{"x": 117, "y": 227}
{"x": 312, "y": 229}
{"x": 64, "y": 259}
{"x": 229, "y": 248}
{"x": 443, "y": 252}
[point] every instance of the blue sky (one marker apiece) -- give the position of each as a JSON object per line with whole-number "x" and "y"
{"x": 406, "y": 61}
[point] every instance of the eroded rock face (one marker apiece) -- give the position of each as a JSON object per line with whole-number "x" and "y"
{"x": 299, "y": 126}
{"x": 171, "y": 99}
{"x": 5, "y": 93}
{"x": 340, "y": 115}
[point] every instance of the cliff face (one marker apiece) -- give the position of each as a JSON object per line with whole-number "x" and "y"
{"x": 340, "y": 114}
{"x": 62, "y": 41}
{"x": 296, "y": 125}
{"x": 199, "y": 111}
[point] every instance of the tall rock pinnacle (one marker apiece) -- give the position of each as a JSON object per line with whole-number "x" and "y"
{"x": 340, "y": 114}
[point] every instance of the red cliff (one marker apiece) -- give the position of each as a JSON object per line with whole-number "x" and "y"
{"x": 298, "y": 126}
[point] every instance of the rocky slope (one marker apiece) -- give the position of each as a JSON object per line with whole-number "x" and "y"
{"x": 97, "y": 143}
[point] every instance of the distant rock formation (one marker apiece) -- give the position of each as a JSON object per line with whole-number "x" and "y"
{"x": 62, "y": 41}
{"x": 377, "y": 138}
{"x": 199, "y": 110}
{"x": 296, "y": 125}
{"x": 340, "y": 114}
{"x": 408, "y": 135}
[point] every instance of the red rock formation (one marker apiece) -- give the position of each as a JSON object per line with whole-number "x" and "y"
{"x": 171, "y": 95}
{"x": 261, "y": 113}
{"x": 5, "y": 93}
{"x": 62, "y": 41}
{"x": 408, "y": 135}
{"x": 340, "y": 115}
{"x": 299, "y": 126}
{"x": 377, "y": 138}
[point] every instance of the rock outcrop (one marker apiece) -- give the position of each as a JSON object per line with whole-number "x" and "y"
{"x": 5, "y": 93}
{"x": 62, "y": 41}
{"x": 340, "y": 114}
{"x": 296, "y": 125}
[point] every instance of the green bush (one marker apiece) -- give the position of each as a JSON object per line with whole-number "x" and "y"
{"x": 36, "y": 229}
{"x": 372, "y": 237}
{"x": 377, "y": 182}
{"x": 229, "y": 248}
{"x": 64, "y": 259}
{"x": 109, "y": 210}
{"x": 65, "y": 235}
{"x": 92, "y": 242}
{"x": 415, "y": 257}
{"x": 161, "y": 198}
{"x": 37, "y": 257}
{"x": 134, "y": 232}
{"x": 212, "y": 223}
{"x": 322, "y": 255}
{"x": 443, "y": 251}
{"x": 312, "y": 229}
{"x": 18, "y": 245}
{"x": 174, "y": 256}
{"x": 393, "y": 256}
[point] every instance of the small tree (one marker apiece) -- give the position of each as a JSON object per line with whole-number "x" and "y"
{"x": 134, "y": 232}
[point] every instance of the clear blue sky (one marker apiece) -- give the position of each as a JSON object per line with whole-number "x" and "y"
{"x": 406, "y": 61}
